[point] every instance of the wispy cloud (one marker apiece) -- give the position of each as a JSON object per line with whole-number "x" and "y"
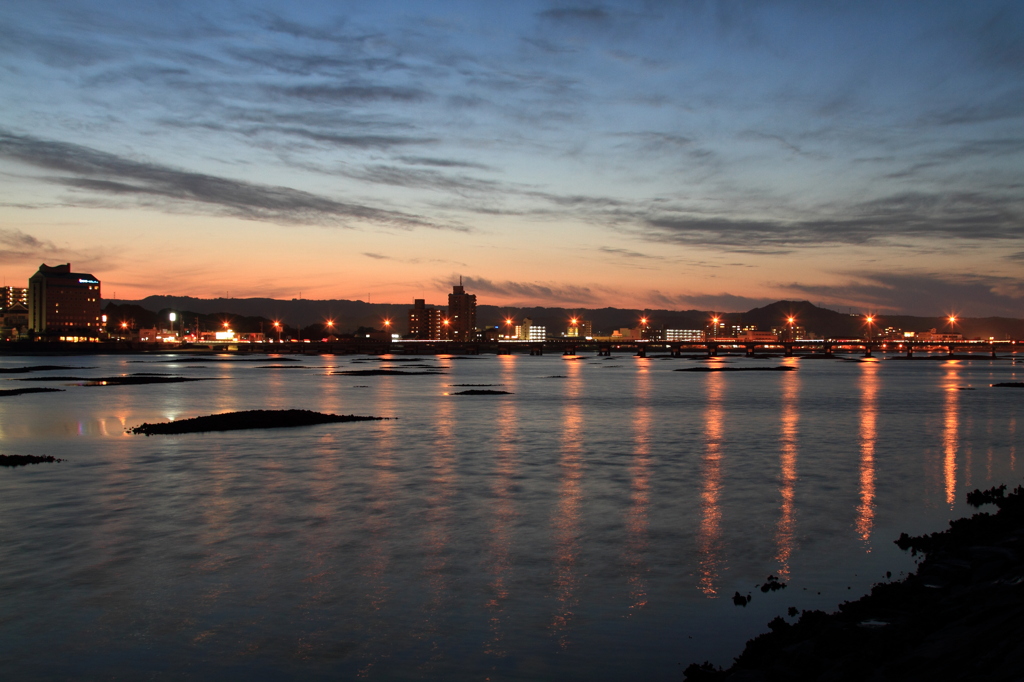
{"x": 528, "y": 293}
{"x": 101, "y": 173}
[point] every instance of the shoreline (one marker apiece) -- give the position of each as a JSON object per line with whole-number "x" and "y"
{"x": 960, "y": 616}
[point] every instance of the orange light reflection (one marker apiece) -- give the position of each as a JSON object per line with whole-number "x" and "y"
{"x": 788, "y": 441}
{"x": 951, "y": 431}
{"x": 640, "y": 490}
{"x": 499, "y": 563}
{"x": 869, "y": 383}
{"x": 567, "y": 513}
{"x": 709, "y": 538}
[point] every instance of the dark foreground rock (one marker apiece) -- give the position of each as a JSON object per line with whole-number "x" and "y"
{"x": 21, "y": 391}
{"x": 250, "y": 419}
{"x": 384, "y": 373}
{"x": 481, "y": 391}
{"x": 23, "y": 460}
{"x": 781, "y": 368}
{"x": 959, "y": 617}
{"x": 130, "y": 380}
{"x": 1009, "y": 384}
{"x": 36, "y": 368}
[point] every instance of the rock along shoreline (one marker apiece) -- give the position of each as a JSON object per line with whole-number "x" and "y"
{"x": 960, "y": 616}
{"x": 249, "y": 419}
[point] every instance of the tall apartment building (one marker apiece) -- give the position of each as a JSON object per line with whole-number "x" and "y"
{"x": 461, "y": 313}
{"x": 12, "y": 296}
{"x": 426, "y": 322}
{"x": 64, "y": 303}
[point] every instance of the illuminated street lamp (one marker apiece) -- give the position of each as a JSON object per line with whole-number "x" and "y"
{"x": 714, "y": 327}
{"x": 791, "y": 320}
{"x": 508, "y": 327}
{"x": 277, "y": 326}
{"x": 868, "y": 321}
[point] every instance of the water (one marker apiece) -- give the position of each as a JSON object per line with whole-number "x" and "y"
{"x": 592, "y": 525}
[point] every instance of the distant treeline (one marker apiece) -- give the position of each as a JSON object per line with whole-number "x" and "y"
{"x": 256, "y": 314}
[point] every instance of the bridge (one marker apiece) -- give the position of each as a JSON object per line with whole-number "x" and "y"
{"x": 640, "y": 347}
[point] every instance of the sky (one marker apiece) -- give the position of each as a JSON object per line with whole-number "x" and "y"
{"x": 712, "y": 155}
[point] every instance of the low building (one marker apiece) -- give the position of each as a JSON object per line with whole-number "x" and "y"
{"x": 937, "y": 336}
{"x": 528, "y": 331}
{"x": 64, "y": 304}
{"x": 688, "y": 335}
{"x": 758, "y": 336}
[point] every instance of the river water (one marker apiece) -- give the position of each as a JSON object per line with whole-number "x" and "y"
{"x": 593, "y": 524}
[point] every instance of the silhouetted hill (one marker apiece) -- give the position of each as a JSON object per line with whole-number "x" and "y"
{"x": 350, "y": 315}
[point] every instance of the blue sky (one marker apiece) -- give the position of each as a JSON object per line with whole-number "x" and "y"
{"x": 713, "y": 155}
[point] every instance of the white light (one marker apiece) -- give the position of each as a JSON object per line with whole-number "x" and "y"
{"x": 173, "y": 317}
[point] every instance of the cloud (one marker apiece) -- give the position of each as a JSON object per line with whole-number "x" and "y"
{"x": 441, "y": 163}
{"x": 104, "y": 174}
{"x": 377, "y": 256}
{"x": 576, "y": 14}
{"x": 924, "y": 294}
{"x": 977, "y": 216}
{"x": 626, "y": 253}
{"x": 723, "y": 302}
{"x": 528, "y": 293}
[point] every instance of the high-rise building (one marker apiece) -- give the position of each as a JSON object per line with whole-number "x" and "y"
{"x": 426, "y": 322}
{"x": 64, "y": 303}
{"x": 12, "y": 296}
{"x": 461, "y": 313}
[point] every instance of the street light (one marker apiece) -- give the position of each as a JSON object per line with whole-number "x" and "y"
{"x": 868, "y": 321}
{"x": 508, "y": 327}
{"x": 277, "y": 326}
{"x": 791, "y": 320}
{"x": 714, "y": 327}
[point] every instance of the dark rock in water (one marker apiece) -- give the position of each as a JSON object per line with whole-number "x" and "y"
{"x": 780, "y": 368}
{"x": 36, "y": 368}
{"x": 773, "y": 584}
{"x": 557, "y": 376}
{"x": 1009, "y": 384}
{"x": 739, "y": 600}
{"x": 232, "y": 359}
{"x": 22, "y": 460}
{"x": 130, "y": 380}
{"x": 384, "y": 373}
{"x": 477, "y": 391}
{"x": 471, "y": 385}
{"x": 20, "y": 391}
{"x": 250, "y": 419}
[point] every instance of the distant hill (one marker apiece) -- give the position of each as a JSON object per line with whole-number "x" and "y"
{"x": 350, "y": 315}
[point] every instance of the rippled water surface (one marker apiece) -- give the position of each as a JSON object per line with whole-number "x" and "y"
{"x": 593, "y": 524}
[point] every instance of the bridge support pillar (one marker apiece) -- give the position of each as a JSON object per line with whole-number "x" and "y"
{"x": 867, "y": 351}
{"x": 536, "y": 351}
{"x": 993, "y": 351}
{"x": 910, "y": 351}
{"x": 789, "y": 350}
{"x": 750, "y": 351}
{"x": 604, "y": 351}
{"x": 641, "y": 352}
{"x": 950, "y": 349}
{"x": 571, "y": 350}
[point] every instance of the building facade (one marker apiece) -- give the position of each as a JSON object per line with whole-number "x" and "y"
{"x": 13, "y": 296}
{"x": 427, "y": 322}
{"x": 461, "y": 314}
{"x": 64, "y": 303}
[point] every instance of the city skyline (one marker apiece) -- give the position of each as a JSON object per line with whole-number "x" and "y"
{"x": 713, "y": 156}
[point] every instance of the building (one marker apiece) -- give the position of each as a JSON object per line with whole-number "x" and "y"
{"x": 426, "y": 322}
{"x": 760, "y": 337}
{"x": 12, "y": 296}
{"x": 583, "y": 329}
{"x": 64, "y": 304}
{"x": 528, "y": 331}
{"x": 461, "y": 314}
{"x": 15, "y": 321}
{"x": 690, "y": 335}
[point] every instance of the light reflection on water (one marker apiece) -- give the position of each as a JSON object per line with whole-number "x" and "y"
{"x": 582, "y": 527}
{"x": 868, "y": 437}
{"x": 709, "y": 542}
